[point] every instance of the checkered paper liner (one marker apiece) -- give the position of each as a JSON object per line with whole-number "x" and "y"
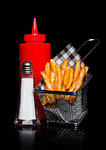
{"x": 64, "y": 112}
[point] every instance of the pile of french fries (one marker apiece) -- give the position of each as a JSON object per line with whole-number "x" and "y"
{"x": 63, "y": 78}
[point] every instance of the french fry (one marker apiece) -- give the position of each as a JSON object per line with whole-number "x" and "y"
{"x": 65, "y": 63}
{"x": 48, "y": 98}
{"x": 67, "y": 75}
{"x": 80, "y": 79}
{"x": 72, "y": 99}
{"x": 52, "y": 99}
{"x": 46, "y": 87}
{"x": 59, "y": 77}
{"x": 76, "y": 85}
{"x": 46, "y": 80}
{"x": 77, "y": 69}
{"x": 63, "y": 89}
{"x": 82, "y": 74}
{"x": 69, "y": 97}
{"x": 44, "y": 101}
{"x": 86, "y": 70}
{"x": 53, "y": 65}
{"x": 47, "y": 69}
{"x": 66, "y": 97}
{"x": 52, "y": 79}
{"x": 55, "y": 83}
{"x": 44, "y": 76}
{"x": 71, "y": 76}
{"x": 59, "y": 80}
{"x": 47, "y": 72}
{"x": 72, "y": 87}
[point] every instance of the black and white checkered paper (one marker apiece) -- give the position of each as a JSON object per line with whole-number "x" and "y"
{"x": 69, "y": 52}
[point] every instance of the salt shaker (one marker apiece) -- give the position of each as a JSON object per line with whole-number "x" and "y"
{"x": 27, "y": 115}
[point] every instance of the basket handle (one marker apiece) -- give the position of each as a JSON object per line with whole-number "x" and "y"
{"x": 92, "y": 49}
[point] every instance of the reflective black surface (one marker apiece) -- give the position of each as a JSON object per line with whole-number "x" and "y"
{"x": 48, "y": 137}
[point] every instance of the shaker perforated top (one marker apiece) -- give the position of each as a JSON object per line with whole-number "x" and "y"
{"x": 27, "y": 66}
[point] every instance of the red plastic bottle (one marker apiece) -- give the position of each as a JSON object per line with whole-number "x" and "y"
{"x": 38, "y": 53}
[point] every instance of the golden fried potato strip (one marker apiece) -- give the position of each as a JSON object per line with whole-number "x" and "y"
{"x": 77, "y": 69}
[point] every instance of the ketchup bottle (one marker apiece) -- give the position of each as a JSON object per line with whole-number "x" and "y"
{"x": 38, "y": 53}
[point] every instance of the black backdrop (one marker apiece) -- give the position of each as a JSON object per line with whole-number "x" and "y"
{"x": 62, "y": 24}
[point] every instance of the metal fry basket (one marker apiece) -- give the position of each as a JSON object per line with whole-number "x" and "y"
{"x": 67, "y": 107}
{"x": 62, "y": 111}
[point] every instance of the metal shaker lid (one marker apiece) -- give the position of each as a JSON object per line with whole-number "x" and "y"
{"x": 27, "y": 66}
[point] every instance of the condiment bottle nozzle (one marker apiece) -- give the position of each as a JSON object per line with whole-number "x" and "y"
{"x": 34, "y": 27}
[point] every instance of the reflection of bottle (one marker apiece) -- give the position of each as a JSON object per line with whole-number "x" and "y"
{"x": 27, "y": 139}
{"x": 27, "y": 111}
{"x": 38, "y": 52}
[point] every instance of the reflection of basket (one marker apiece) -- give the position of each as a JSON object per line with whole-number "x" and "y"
{"x": 62, "y": 111}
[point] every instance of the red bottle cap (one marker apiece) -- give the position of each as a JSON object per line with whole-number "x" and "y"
{"x": 34, "y": 36}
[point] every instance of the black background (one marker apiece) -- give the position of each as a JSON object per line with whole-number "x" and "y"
{"x": 62, "y": 23}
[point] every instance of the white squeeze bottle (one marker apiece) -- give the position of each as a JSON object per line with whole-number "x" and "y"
{"x": 27, "y": 111}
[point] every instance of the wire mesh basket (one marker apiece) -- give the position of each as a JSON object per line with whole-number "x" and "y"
{"x": 66, "y": 111}
{"x": 67, "y": 107}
